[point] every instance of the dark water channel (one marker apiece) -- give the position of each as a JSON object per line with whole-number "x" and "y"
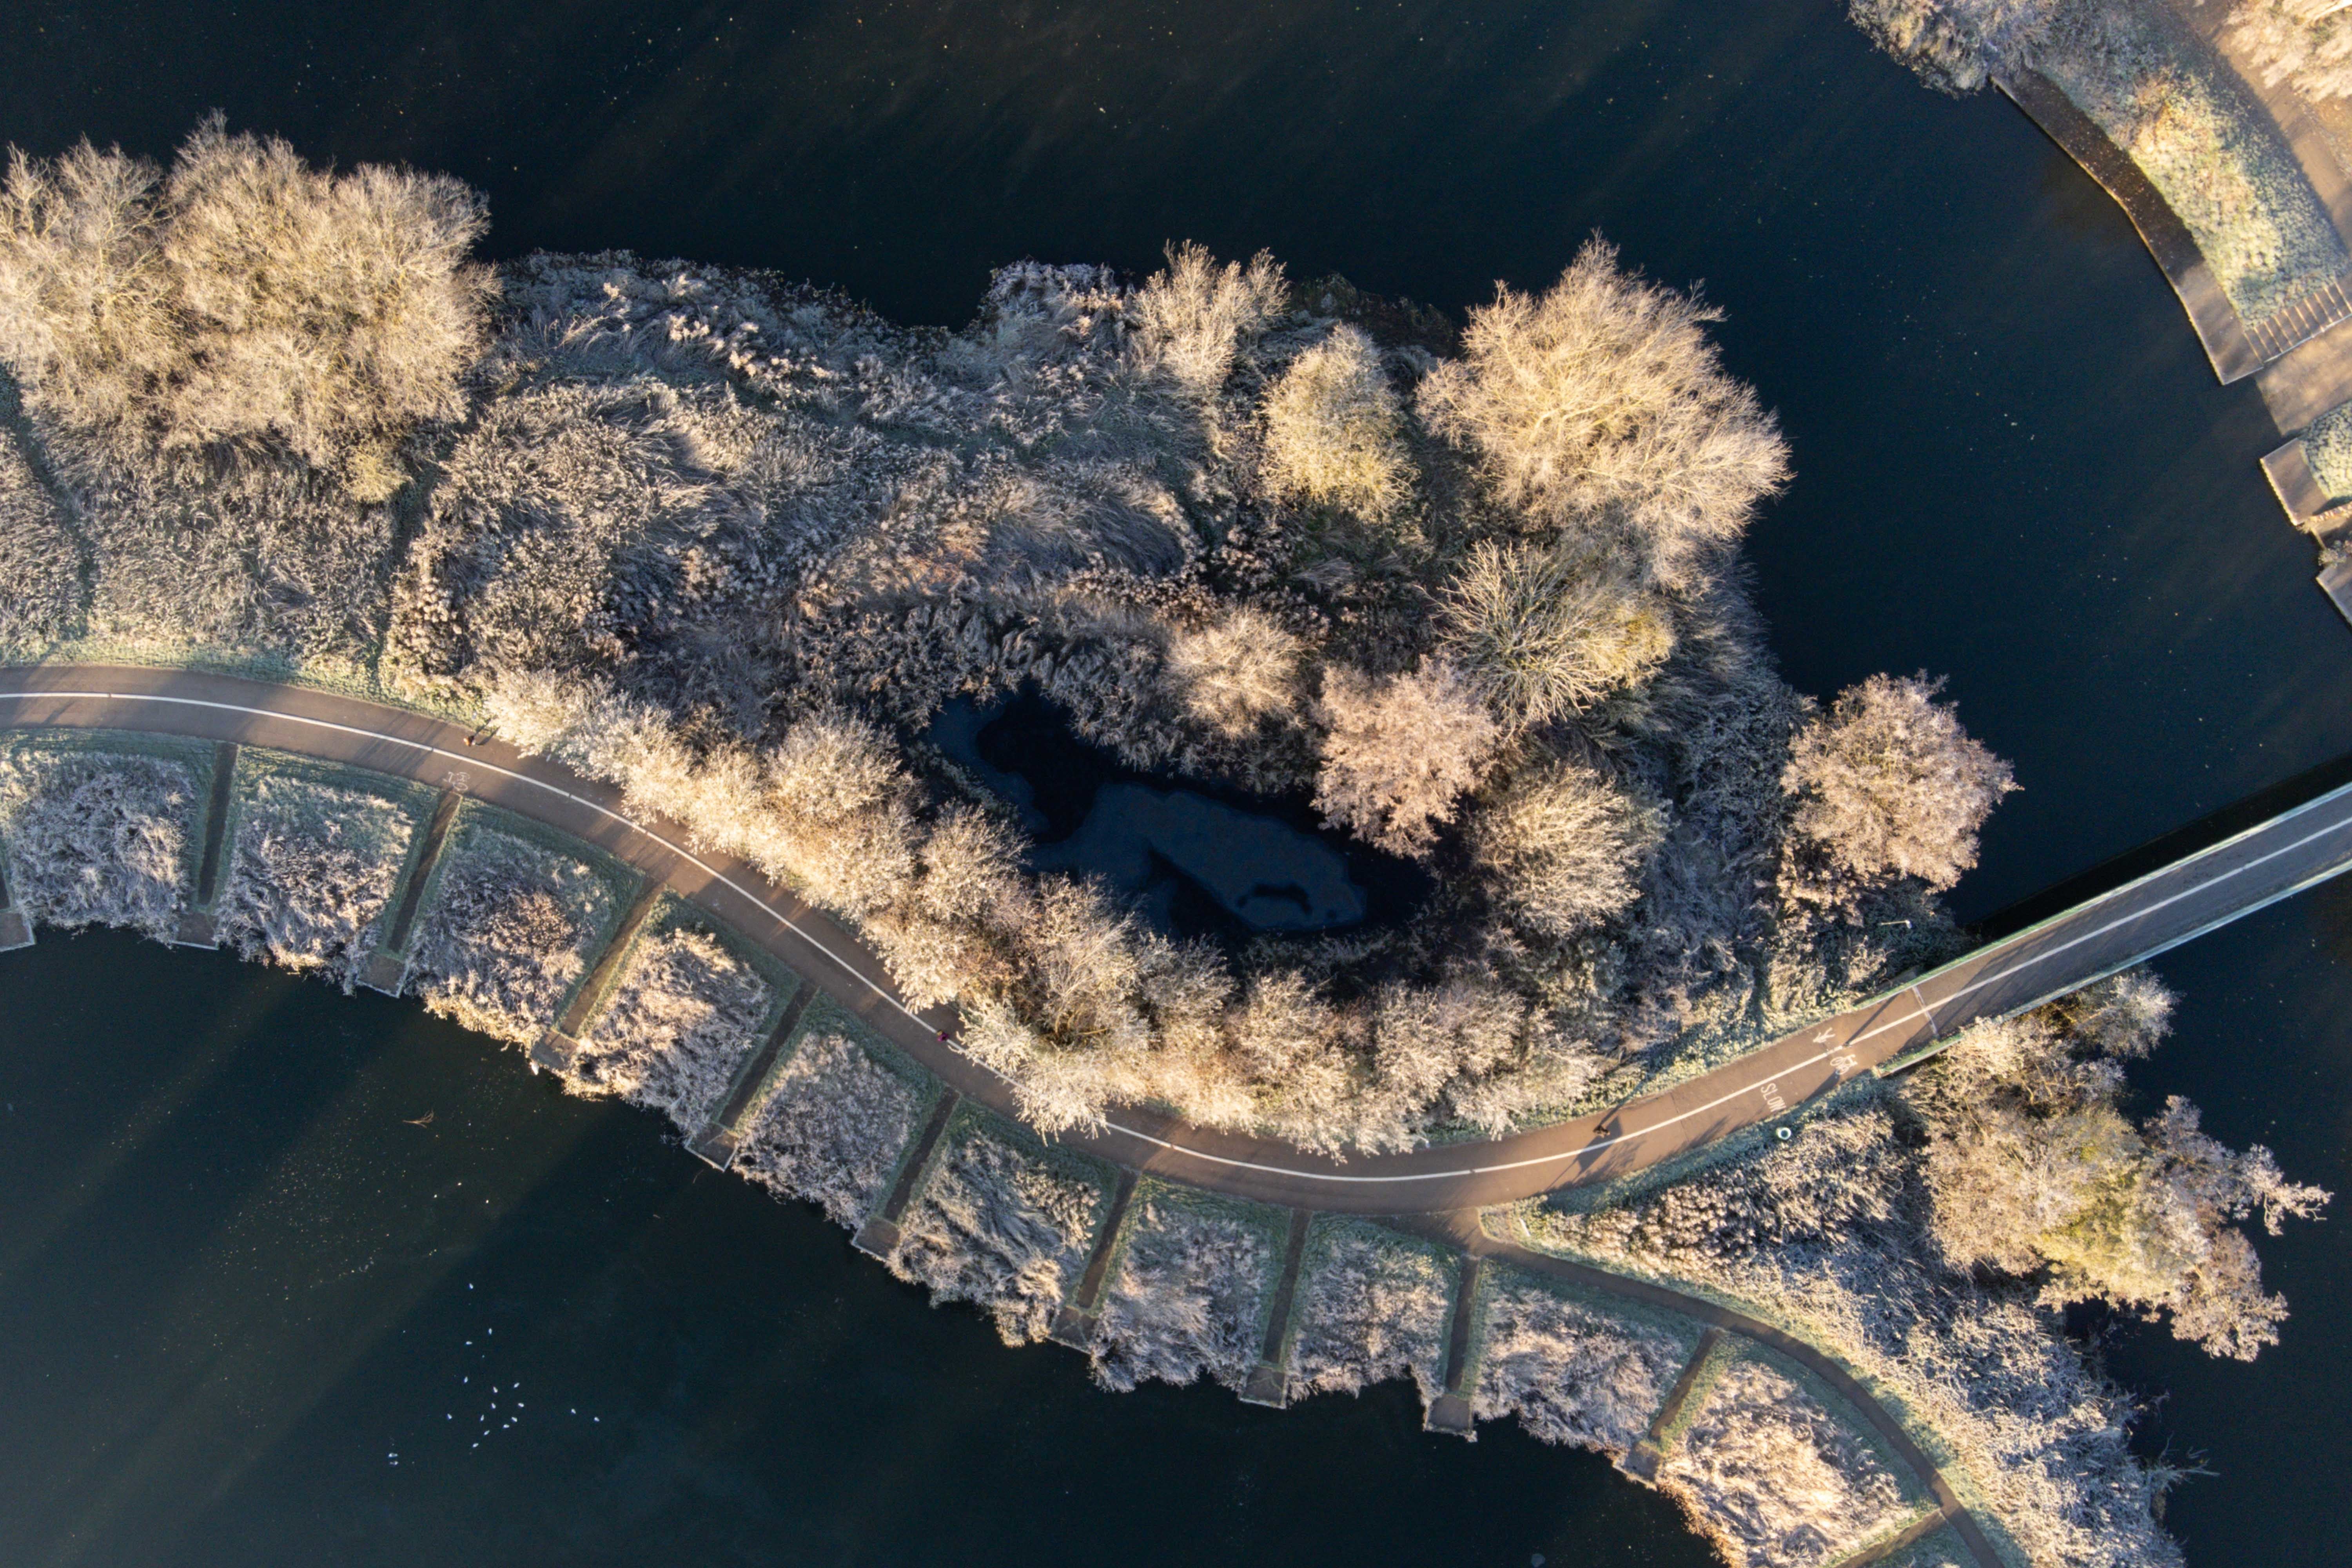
{"x": 235, "y": 1280}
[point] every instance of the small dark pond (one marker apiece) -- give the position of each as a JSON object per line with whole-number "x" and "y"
{"x": 1193, "y": 860}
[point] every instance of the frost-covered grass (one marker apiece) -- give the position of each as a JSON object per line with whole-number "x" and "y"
{"x": 683, "y": 1014}
{"x": 100, "y": 837}
{"x": 1188, "y": 1292}
{"x": 1570, "y": 1369}
{"x": 2205, "y": 142}
{"x": 2327, "y": 448}
{"x": 2165, "y": 95}
{"x": 1004, "y": 1224}
{"x": 1941, "y": 1548}
{"x": 1766, "y": 1471}
{"x": 313, "y": 868}
{"x": 509, "y": 926}
{"x": 39, "y": 562}
{"x": 1371, "y": 1305}
{"x": 834, "y": 1120}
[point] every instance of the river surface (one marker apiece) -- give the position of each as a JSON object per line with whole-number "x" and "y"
{"x": 235, "y": 1280}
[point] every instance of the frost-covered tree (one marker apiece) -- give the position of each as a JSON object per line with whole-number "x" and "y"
{"x": 242, "y": 301}
{"x": 1886, "y": 785}
{"x": 1400, "y": 753}
{"x": 1332, "y": 428}
{"x": 1955, "y": 45}
{"x": 1190, "y": 319}
{"x": 2033, "y": 1171}
{"x": 1236, "y": 669}
{"x": 1545, "y": 632}
{"x": 1564, "y": 847}
{"x": 1599, "y": 407}
{"x": 2307, "y": 44}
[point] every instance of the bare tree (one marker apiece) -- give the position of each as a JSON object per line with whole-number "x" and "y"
{"x": 244, "y": 302}
{"x": 1886, "y": 785}
{"x": 1332, "y": 426}
{"x": 1543, "y": 632}
{"x": 2033, "y": 1171}
{"x": 1564, "y": 849}
{"x": 1400, "y": 753}
{"x": 1600, "y": 405}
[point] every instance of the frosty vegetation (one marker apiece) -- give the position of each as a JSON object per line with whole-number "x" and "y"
{"x": 830, "y": 1127}
{"x": 98, "y": 839}
{"x": 683, "y": 1016}
{"x": 1186, "y": 1297}
{"x": 241, "y": 302}
{"x": 38, "y": 557}
{"x": 510, "y": 926}
{"x": 731, "y": 544}
{"x": 1370, "y": 1307}
{"x": 1570, "y": 1372}
{"x": 2306, "y": 44}
{"x": 2174, "y": 107}
{"x": 1003, "y": 1229}
{"x": 312, "y": 870}
{"x": 1924, "y": 1231}
{"x": 1767, "y": 1473}
{"x": 1886, "y": 786}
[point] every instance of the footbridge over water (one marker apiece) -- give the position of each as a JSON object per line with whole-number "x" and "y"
{"x": 2296, "y": 841}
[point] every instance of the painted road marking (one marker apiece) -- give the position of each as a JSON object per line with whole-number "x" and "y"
{"x": 1990, "y": 978}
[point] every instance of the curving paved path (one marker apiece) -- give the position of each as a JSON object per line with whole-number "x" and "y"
{"x": 2096, "y": 938}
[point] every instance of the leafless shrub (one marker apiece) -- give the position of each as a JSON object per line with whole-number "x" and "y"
{"x": 1332, "y": 428}
{"x": 1185, "y": 1298}
{"x": 1767, "y": 1474}
{"x": 312, "y": 870}
{"x": 96, "y": 839}
{"x": 244, "y": 300}
{"x": 1544, "y": 632}
{"x": 510, "y": 928}
{"x": 1400, "y": 753}
{"x": 683, "y": 1016}
{"x": 1572, "y": 1373}
{"x": 1887, "y": 785}
{"x": 831, "y": 1129}
{"x": 1002, "y": 1230}
{"x": 1188, "y": 320}
{"x": 1236, "y": 670}
{"x": 1601, "y": 407}
{"x": 1370, "y": 1308}
{"x": 1564, "y": 849}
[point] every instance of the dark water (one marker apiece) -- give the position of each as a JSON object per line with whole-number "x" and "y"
{"x": 236, "y": 1282}
{"x": 2013, "y": 467}
{"x": 1222, "y": 865}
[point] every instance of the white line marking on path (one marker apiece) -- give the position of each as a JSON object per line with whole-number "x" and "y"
{"x": 1293, "y": 1172}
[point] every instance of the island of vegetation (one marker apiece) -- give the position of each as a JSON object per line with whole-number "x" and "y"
{"x": 1470, "y": 590}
